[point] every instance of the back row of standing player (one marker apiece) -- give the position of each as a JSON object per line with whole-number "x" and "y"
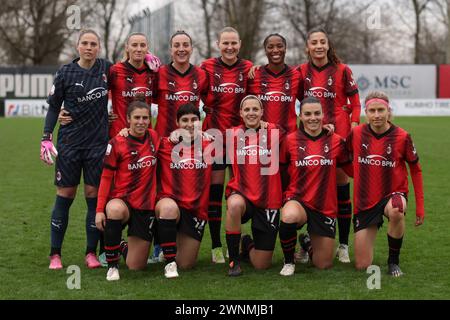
{"x": 222, "y": 82}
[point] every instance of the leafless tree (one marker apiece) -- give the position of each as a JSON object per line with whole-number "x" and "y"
{"x": 419, "y": 8}
{"x": 209, "y": 8}
{"x": 246, "y": 16}
{"x": 34, "y": 31}
{"x": 112, "y": 22}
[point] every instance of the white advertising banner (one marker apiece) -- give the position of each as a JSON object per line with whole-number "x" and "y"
{"x": 418, "y": 107}
{"x": 398, "y": 81}
{"x": 25, "y": 108}
{"x": 421, "y": 107}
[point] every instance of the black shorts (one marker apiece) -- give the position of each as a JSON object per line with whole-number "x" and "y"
{"x": 265, "y": 223}
{"x": 70, "y": 163}
{"x": 191, "y": 225}
{"x": 320, "y": 224}
{"x": 141, "y": 224}
{"x": 372, "y": 216}
{"x": 317, "y": 222}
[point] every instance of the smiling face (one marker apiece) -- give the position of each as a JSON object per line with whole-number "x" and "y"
{"x": 275, "y": 50}
{"x": 311, "y": 116}
{"x": 191, "y": 123}
{"x": 229, "y": 45}
{"x": 88, "y": 47}
{"x": 139, "y": 120}
{"x": 136, "y": 48}
{"x": 181, "y": 49}
{"x": 251, "y": 113}
{"x": 318, "y": 46}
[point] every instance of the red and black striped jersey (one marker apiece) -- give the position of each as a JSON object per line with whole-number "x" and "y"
{"x": 379, "y": 164}
{"x": 278, "y": 93}
{"x": 174, "y": 90}
{"x": 185, "y": 175}
{"x": 333, "y": 85}
{"x": 254, "y": 157}
{"x": 125, "y": 82}
{"x": 227, "y": 88}
{"x": 312, "y": 169}
{"x": 133, "y": 161}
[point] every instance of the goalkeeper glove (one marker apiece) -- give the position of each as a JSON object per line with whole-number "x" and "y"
{"x": 153, "y": 62}
{"x": 48, "y": 149}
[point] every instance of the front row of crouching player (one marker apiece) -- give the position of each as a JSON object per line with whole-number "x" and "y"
{"x": 374, "y": 154}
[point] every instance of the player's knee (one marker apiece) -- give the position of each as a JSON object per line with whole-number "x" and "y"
{"x": 362, "y": 265}
{"x": 186, "y": 265}
{"x": 115, "y": 212}
{"x": 262, "y": 265}
{"x": 90, "y": 192}
{"x": 136, "y": 265}
{"x": 235, "y": 209}
{"x": 168, "y": 212}
{"x": 396, "y": 216}
{"x": 289, "y": 216}
{"x": 323, "y": 264}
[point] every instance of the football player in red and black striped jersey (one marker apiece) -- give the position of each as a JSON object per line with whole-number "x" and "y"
{"x": 313, "y": 156}
{"x": 254, "y": 192}
{"x": 182, "y": 208}
{"x": 380, "y": 152}
{"x": 128, "y": 79}
{"x": 127, "y": 191}
{"x": 331, "y": 81}
{"x": 227, "y": 77}
{"x": 277, "y": 85}
{"x": 178, "y": 83}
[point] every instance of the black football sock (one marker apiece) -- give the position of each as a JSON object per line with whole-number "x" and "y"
{"x": 58, "y": 223}
{"x": 92, "y": 233}
{"x": 344, "y": 212}
{"x": 215, "y": 214}
{"x": 167, "y": 233}
{"x": 113, "y": 234}
{"x": 233, "y": 240}
{"x": 394, "y": 249}
{"x": 288, "y": 240}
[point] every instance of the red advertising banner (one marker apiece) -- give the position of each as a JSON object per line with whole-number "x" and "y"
{"x": 444, "y": 81}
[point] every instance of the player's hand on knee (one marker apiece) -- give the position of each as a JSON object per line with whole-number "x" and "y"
{"x": 100, "y": 219}
{"x": 64, "y": 117}
{"x": 48, "y": 149}
{"x": 152, "y": 61}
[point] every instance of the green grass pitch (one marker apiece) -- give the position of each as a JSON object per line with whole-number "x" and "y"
{"x": 27, "y": 195}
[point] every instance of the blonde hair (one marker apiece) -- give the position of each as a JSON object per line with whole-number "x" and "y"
{"x": 379, "y": 95}
{"x": 227, "y": 29}
{"x": 376, "y": 95}
{"x": 126, "y": 56}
